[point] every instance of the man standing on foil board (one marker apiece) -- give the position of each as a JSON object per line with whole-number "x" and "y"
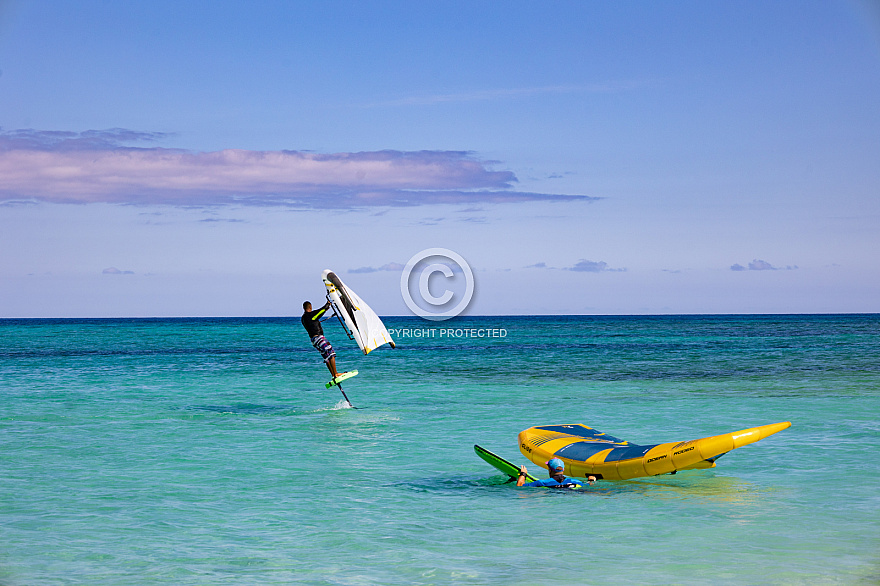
{"x": 311, "y": 321}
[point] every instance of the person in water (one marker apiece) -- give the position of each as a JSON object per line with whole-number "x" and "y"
{"x": 557, "y": 479}
{"x": 311, "y": 321}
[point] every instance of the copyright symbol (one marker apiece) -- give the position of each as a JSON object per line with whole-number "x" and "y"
{"x": 430, "y": 262}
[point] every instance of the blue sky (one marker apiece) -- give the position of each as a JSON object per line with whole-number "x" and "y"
{"x": 175, "y": 159}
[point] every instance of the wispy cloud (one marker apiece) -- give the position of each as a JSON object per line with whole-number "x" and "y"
{"x": 392, "y": 266}
{"x": 94, "y": 166}
{"x": 508, "y": 93}
{"x": 223, "y": 220}
{"x": 582, "y": 266}
{"x": 64, "y": 140}
{"x": 115, "y": 271}
{"x": 590, "y": 266}
{"x": 761, "y": 265}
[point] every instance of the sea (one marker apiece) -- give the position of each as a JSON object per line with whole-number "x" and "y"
{"x": 208, "y": 451}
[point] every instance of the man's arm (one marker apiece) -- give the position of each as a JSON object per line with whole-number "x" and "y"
{"x": 521, "y": 479}
{"x": 321, "y": 311}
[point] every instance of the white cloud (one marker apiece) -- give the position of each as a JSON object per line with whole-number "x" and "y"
{"x": 761, "y": 265}
{"x": 94, "y": 167}
{"x": 589, "y": 266}
{"x": 391, "y": 266}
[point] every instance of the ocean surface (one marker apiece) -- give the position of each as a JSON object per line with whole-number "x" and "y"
{"x": 207, "y": 451}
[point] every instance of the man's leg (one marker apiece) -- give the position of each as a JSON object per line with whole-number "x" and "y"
{"x": 331, "y": 364}
{"x": 324, "y": 347}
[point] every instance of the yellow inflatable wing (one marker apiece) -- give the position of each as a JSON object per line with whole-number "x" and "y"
{"x": 587, "y": 451}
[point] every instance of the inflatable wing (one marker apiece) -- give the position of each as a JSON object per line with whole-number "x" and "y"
{"x": 365, "y": 326}
{"x": 587, "y": 451}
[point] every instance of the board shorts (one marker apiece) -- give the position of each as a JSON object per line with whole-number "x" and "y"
{"x": 324, "y": 347}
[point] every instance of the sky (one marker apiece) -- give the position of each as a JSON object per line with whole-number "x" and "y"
{"x": 212, "y": 158}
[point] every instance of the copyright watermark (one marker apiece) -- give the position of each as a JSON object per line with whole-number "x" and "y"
{"x": 434, "y": 262}
{"x": 448, "y": 332}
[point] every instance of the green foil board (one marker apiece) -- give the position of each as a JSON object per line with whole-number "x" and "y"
{"x": 341, "y": 377}
{"x": 500, "y": 463}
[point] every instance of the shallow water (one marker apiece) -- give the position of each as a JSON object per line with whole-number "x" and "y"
{"x": 196, "y": 451}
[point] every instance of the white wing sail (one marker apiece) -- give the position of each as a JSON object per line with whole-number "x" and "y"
{"x": 366, "y": 328}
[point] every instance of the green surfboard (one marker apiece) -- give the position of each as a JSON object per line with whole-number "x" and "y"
{"x": 341, "y": 377}
{"x": 501, "y": 464}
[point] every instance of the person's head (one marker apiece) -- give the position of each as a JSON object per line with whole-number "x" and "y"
{"x": 307, "y": 305}
{"x": 555, "y": 466}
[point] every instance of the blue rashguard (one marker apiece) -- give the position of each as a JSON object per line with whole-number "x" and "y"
{"x": 551, "y": 483}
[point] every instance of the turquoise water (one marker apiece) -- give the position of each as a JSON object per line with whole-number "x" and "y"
{"x": 198, "y": 451}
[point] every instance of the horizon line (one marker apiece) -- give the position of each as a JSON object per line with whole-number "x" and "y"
{"x": 437, "y": 323}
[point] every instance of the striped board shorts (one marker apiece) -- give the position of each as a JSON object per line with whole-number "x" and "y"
{"x": 324, "y": 347}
